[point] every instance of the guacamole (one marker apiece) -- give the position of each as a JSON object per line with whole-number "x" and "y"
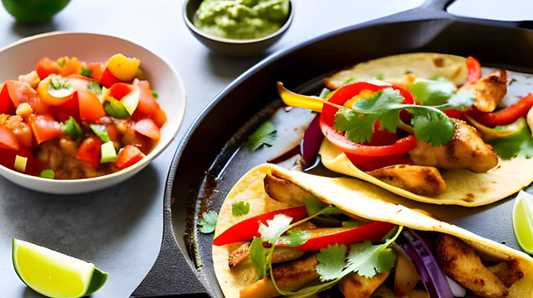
{"x": 241, "y": 19}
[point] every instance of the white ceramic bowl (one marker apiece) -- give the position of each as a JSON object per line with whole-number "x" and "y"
{"x": 21, "y": 58}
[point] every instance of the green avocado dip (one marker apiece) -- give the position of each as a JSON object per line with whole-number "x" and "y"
{"x": 241, "y": 19}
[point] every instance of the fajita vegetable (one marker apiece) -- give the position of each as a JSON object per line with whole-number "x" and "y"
{"x": 423, "y": 132}
{"x": 392, "y": 250}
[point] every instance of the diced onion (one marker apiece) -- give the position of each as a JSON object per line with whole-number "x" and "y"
{"x": 457, "y": 289}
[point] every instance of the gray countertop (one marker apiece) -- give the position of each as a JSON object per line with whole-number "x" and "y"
{"x": 119, "y": 229}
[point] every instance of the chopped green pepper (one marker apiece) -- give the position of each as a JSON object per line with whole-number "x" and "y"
{"x": 108, "y": 153}
{"x": 101, "y": 132}
{"x": 115, "y": 108}
{"x": 50, "y": 174}
{"x": 71, "y": 128}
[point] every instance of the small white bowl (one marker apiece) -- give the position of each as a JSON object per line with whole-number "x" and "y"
{"x": 21, "y": 58}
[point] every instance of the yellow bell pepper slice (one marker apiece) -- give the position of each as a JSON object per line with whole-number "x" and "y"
{"x": 122, "y": 67}
{"x": 301, "y": 101}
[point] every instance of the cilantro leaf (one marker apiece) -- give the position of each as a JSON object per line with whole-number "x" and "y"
{"x": 240, "y": 208}
{"x": 314, "y": 205}
{"x": 265, "y": 134}
{"x": 86, "y": 72}
{"x": 432, "y": 92}
{"x": 277, "y": 226}
{"x": 94, "y": 87}
{"x": 59, "y": 83}
{"x": 155, "y": 95}
{"x": 432, "y": 127}
{"x": 208, "y": 222}
{"x": 295, "y": 238}
{"x": 518, "y": 143}
{"x": 380, "y": 77}
{"x": 257, "y": 254}
{"x": 331, "y": 262}
{"x": 430, "y": 124}
{"x": 368, "y": 259}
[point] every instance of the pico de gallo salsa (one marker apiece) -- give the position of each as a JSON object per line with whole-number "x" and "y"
{"x": 70, "y": 119}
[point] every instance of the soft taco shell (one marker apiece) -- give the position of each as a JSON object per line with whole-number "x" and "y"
{"x": 394, "y": 68}
{"x": 354, "y": 197}
{"x": 463, "y": 187}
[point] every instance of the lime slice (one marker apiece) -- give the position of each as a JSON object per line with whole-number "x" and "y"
{"x": 54, "y": 274}
{"x": 523, "y": 221}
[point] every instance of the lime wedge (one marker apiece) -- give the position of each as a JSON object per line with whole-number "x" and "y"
{"x": 54, "y": 274}
{"x": 523, "y": 221}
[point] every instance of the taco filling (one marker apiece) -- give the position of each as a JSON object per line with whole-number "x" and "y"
{"x": 421, "y": 136}
{"x": 304, "y": 236}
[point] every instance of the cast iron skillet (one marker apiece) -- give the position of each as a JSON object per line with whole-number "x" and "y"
{"x": 205, "y": 165}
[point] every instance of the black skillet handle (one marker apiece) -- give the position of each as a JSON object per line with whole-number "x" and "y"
{"x": 436, "y": 9}
{"x": 171, "y": 275}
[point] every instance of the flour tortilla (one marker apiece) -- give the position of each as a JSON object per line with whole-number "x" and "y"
{"x": 463, "y": 188}
{"x": 394, "y": 68}
{"x": 353, "y": 197}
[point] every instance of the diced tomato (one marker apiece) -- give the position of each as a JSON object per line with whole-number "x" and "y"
{"x": 108, "y": 79}
{"x": 148, "y": 128}
{"x": 7, "y": 159}
{"x": 8, "y": 140}
{"x": 71, "y": 66}
{"x": 147, "y": 104}
{"x": 128, "y": 156}
{"x": 46, "y": 67}
{"x": 97, "y": 69}
{"x": 6, "y": 105}
{"x": 44, "y": 128}
{"x": 90, "y": 108}
{"x": 119, "y": 90}
{"x": 70, "y": 108}
{"x": 89, "y": 150}
{"x": 114, "y": 134}
{"x": 21, "y": 92}
{"x": 159, "y": 117}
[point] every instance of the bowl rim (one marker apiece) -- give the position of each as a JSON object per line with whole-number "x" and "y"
{"x": 124, "y": 172}
{"x": 278, "y": 32}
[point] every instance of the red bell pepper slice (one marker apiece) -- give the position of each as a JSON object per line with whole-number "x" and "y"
{"x": 249, "y": 228}
{"x": 128, "y": 156}
{"x": 46, "y": 67}
{"x": 148, "y": 106}
{"x": 337, "y": 138}
{"x": 504, "y": 116}
{"x": 373, "y": 231}
{"x": 8, "y": 140}
{"x": 454, "y": 114}
{"x": 108, "y": 79}
{"x": 474, "y": 69}
{"x": 89, "y": 150}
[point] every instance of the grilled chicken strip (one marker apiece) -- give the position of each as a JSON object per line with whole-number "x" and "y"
{"x": 280, "y": 255}
{"x": 465, "y": 150}
{"x": 421, "y": 180}
{"x": 489, "y": 91}
{"x": 460, "y": 262}
{"x": 508, "y": 272}
{"x": 285, "y": 191}
{"x": 357, "y": 286}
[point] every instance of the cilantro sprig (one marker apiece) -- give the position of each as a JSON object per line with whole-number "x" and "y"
{"x": 430, "y": 124}
{"x": 240, "y": 208}
{"x": 208, "y": 222}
